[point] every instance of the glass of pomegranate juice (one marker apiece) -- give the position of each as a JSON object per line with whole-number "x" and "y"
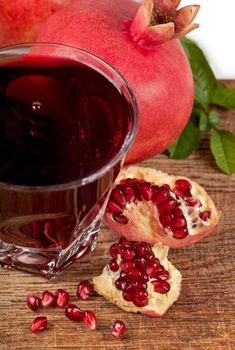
{"x": 67, "y": 119}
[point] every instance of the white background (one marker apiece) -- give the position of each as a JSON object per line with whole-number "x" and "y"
{"x": 216, "y": 34}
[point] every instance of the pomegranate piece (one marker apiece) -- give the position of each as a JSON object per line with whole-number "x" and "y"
{"x": 62, "y": 298}
{"x": 84, "y": 290}
{"x": 118, "y": 328}
{"x": 89, "y": 319}
{"x": 140, "y": 288}
{"x": 73, "y": 313}
{"x": 178, "y": 212}
{"x": 48, "y": 299}
{"x": 38, "y": 325}
{"x": 33, "y": 302}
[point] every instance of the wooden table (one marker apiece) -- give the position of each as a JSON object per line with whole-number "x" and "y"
{"x": 203, "y": 317}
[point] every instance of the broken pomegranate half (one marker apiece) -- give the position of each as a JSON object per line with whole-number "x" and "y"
{"x": 145, "y": 280}
{"x": 151, "y": 206}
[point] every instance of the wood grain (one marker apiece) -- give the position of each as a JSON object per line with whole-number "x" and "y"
{"x": 204, "y": 316}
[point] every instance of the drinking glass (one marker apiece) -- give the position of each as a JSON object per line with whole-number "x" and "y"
{"x": 67, "y": 120}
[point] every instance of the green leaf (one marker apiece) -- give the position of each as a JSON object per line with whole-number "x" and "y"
{"x": 188, "y": 141}
{"x": 224, "y": 96}
{"x": 213, "y": 118}
{"x": 204, "y": 80}
{"x": 204, "y": 124}
{"x": 223, "y": 149}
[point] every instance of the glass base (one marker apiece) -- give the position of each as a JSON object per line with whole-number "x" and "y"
{"x": 49, "y": 262}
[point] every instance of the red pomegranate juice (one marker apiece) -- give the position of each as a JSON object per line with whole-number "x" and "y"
{"x": 60, "y": 122}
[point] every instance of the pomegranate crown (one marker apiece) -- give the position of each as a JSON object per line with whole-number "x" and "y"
{"x": 157, "y": 21}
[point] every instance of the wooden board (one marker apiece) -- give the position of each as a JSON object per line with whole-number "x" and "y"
{"x": 204, "y": 316}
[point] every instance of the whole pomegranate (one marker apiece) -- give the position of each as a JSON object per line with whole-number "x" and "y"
{"x": 141, "y": 41}
{"x": 20, "y": 20}
{"x": 139, "y": 278}
{"x": 155, "y": 207}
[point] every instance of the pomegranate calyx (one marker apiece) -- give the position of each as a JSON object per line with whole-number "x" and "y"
{"x": 158, "y": 21}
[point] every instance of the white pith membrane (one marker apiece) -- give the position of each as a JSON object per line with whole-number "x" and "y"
{"x": 144, "y": 215}
{"x": 157, "y": 303}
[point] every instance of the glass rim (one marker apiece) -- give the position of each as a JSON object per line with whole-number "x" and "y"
{"x": 126, "y": 144}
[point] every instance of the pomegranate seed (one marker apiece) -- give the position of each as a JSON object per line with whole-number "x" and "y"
{"x": 180, "y": 232}
{"x": 152, "y": 267}
{"x": 157, "y": 271}
{"x": 177, "y": 212}
{"x": 161, "y": 287}
{"x": 127, "y": 265}
{"x": 113, "y": 251}
{"x": 183, "y": 188}
{"x": 140, "y": 295}
{"x": 127, "y": 296}
{"x": 120, "y": 218}
{"x": 89, "y": 319}
{"x": 166, "y": 219}
{"x": 144, "y": 191}
{"x": 113, "y": 265}
{"x": 171, "y": 203}
{"x": 73, "y": 313}
{"x": 118, "y": 197}
{"x": 196, "y": 203}
{"x": 161, "y": 195}
{"x": 84, "y": 290}
{"x": 134, "y": 274}
{"x": 205, "y": 215}
{"x": 140, "y": 303}
{"x": 124, "y": 243}
{"x": 48, "y": 299}
{"x": 127, "y": 254}
{"x": 162, "y": 275}
{"x": 139, "y": 285}
{"x": 124, "y": 284}
{"x": 33, "y": 302}
{"x": 62, "y": 298}
{"x": 150, "y": 256}
{"x": 124, "y": 274}
{"x": 141, "y": 250}
{"x": 129, "y": 193}
{"x": 39, "y": 324}
{"x": 143, "y": 276}
{"x": 179, "y": 222}
{"x": 118, "y": 328}
{"x": 113, "y": 207}
{"x": 141, "y": 263}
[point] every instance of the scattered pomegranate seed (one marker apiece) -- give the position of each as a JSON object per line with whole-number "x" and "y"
{"x": 48, "y": 299}
{"x": 118, "y": 328}
{"x": 73, "y": 313}
{"x": 62, "y": 298}
{"x": 39, "y": 324}
{"x": 84, "y": 290}
{"x": 113, "y": 265}
{"x": 89, "y": 319}
{"x": 33, "y": 302}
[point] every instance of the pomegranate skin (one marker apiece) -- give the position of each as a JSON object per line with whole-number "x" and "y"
{"x": 20, "y": 20}
{"x": 159, "y": 75}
